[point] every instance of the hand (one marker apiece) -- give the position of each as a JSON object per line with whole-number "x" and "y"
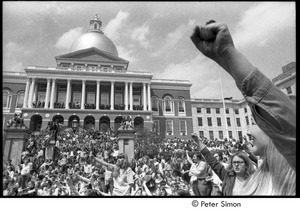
{"x": 213, "y": 40}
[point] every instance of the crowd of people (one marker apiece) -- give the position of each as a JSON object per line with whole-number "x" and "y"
{"x": 88, "y": 163}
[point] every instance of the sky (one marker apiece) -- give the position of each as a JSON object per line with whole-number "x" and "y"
{"x": 154, "y": 36}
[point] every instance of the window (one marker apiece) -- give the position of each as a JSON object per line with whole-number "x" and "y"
{"x": 169, "y": 127}
{"x": 236, "y": 111}
{"x": 289, "y": 90}
{"x": 156, "y": 125}
{"x": 209, "y": 121}
{"x": 6, "y": 99}
{"x": 168, "y": 105}
{"x": 240, "y": 135}
{"x": 90, "y": 94}
{"x": 221, "y": 134}
{"x": 136, "y": 100}
{"x": 208, "y": 110}
{"x": 78, "y": 67}
{"x": 42, "y": 87}
{"x": 217, "y": 110}
{"x": 238, "y": 122}
{"x": 227, "y": 110}
{"x": 92, "y": 68}
{"x": 77, "y": 97}
{"x": 181, "y": 105}
{"x": 61, "y": 93}
{"x": 198, "y": 110}
{"x": 118, "y": 98}
{"x": 105, "y": 98}
{"x": 211, "y": 135}
{"x": 247, "y": 120}
{"x": 90, "y": 97}
{"x": 154, "y": 103}
{"x": 20, "y": 99}
{"x": 61, "y": 97}
{"x": 228, "y": 121}
{"x": 200, "y": 121}
{"x": 219, "y": 121}
{"x": 136, "y": 90}
{"x": 201, "y": 134}
{"x": 230, "y": 134}
{"x": 245, "y": 109}
{"x": 183, "y": 131}
{"x": 41, "y": 96}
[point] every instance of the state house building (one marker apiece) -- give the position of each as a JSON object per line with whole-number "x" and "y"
{"x": 93, "y": 85}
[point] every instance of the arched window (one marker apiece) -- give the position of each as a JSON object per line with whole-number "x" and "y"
{"x": 6, "y": 99}
{"x": 168, "y": 105}
{"x": 154, "y": 103}
{"x": 181, "y": 105}
{"x": 95, "y": 26}
{"x": 20, "y": 99}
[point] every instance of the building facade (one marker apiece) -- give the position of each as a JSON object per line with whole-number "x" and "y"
{"x": 212, "y": 121}
{"x": 92, "y": 85}
{"x": 287, "y": 80}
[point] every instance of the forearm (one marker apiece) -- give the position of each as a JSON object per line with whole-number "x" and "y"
{"x": 236, "y": 64}
{"x": 83, "y": 178}
{"x": 273, "y": 111}
{"x": 188, "y": 158}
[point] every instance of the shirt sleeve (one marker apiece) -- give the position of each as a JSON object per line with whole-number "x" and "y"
{"x": 273, "y": 112}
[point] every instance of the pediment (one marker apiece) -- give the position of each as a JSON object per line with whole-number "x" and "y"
{"x": 91, "y": 54}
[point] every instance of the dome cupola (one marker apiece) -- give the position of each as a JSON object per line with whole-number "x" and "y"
{"x": 95, "y": 38}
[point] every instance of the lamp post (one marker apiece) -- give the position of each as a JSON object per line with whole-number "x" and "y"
{"x": 75, "y": 125}
{"x": 223, "y": 99}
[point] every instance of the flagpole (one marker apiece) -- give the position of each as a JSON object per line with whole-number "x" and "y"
{"x": 223, "y": 100}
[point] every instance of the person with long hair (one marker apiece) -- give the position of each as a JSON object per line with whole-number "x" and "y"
{"x": 274, "y": 136}
{"x": 122, "y": 174}
{"x": 235, "y": 175}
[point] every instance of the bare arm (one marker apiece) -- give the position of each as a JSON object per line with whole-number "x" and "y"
{"x": 109, "y": 165}
{"x": 188, "y": 157}
{"x": 82, "y": 178}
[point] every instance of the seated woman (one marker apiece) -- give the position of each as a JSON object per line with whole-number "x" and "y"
{"x": 122, "y": 175}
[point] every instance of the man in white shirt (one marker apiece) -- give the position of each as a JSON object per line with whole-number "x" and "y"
{"x": 25, "y": 173}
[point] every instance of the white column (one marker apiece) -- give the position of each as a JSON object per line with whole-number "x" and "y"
{"x": 98, "y": 95}
{"x": 68, "y": 94}
{"x": 112, "y": 95}
{"x": 83, "y": 94}
{"x": 26, "y": 93}
{"x": 126, "y": 96}
{"x": 34, "y": 94}
{"x": 130, "y": 96}
{"x": 52, "y": 93}
{"x": 47, "y": 93}
{"x": 149, "y": 98}
{"x": 144, "y": 97}
{"x": 31, "y": 93}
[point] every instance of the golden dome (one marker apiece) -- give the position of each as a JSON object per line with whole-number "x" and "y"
{"x": 95, "y": 38}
